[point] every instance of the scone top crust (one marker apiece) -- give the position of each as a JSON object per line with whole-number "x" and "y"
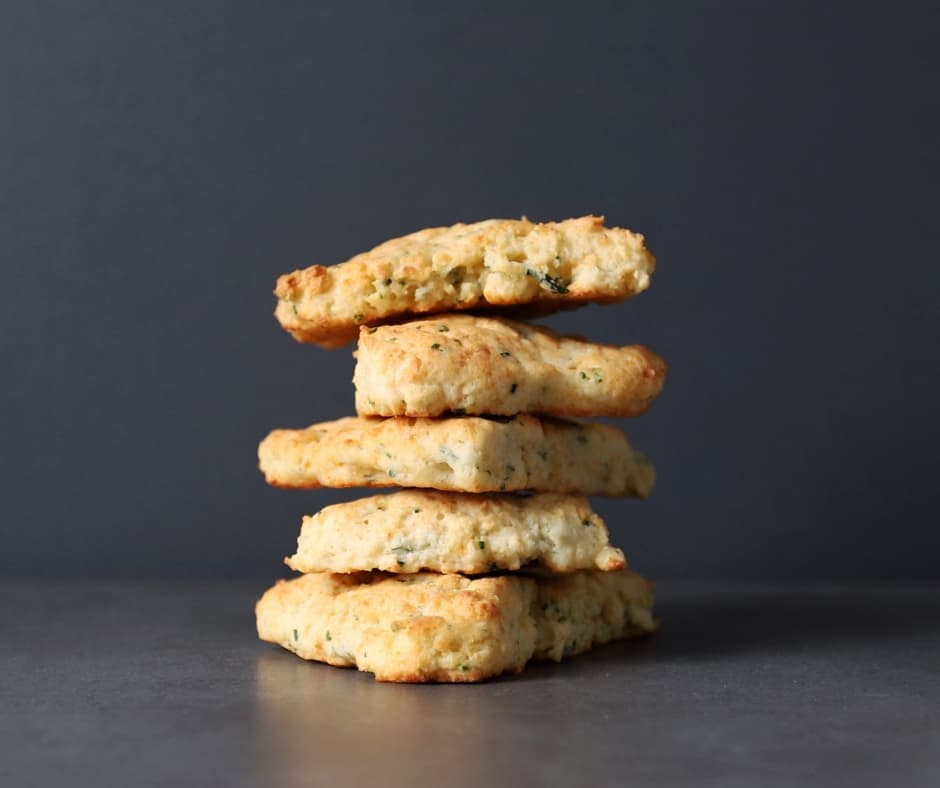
{"x": 498, "y": 263}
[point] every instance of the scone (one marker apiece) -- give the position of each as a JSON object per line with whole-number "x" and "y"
{"x": 498, "y": 263}
{"x": 466, "y": 454}
{"x": 430, "y": 627}
{"x": 415, "y": 530}
{"x": 490, "y": 366}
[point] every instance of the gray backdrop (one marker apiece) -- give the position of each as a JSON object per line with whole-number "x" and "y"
{"x": 161, "y": 164}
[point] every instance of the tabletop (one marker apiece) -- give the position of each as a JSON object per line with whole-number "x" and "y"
{"x": 164, "y": 683}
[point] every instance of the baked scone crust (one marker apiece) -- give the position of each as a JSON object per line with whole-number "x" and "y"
{"x": 467, "y": 454}
{"x": 478, "y": 365}
{"x": 416, "y": 530}
{"x": 431, "y": 627}
{"x": 494, "y": 264}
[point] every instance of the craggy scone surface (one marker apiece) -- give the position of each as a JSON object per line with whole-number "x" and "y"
{"x": 496, "y": 263}
{"x": 490, "y": 366}
{"x": 466, "y": 454}
{"x": 430, "y": 627}
{"x": 415, "y": 530}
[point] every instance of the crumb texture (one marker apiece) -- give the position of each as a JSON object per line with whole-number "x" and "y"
{"x": 494, "y": 264}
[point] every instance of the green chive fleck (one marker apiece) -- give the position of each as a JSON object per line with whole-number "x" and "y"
{"x": 436, "y": 346}
{"x": 513, "y": 387}
{"x": 443, "y": 328}
{"x": 328, "y": 635}
{"x": 295, "y": 635}
{"x": 548, "y": 282}
{"x": 481, "y": 544}
{"x": 400, "y": 552}
{"x": 506, "y": 354}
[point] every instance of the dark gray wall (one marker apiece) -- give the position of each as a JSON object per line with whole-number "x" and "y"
{"x": 161, "y": 163}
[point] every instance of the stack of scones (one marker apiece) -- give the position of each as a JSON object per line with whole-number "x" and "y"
{"x": 490, "y": 555}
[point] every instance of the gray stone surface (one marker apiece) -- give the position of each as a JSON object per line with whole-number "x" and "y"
{"x": 165, "y": 684}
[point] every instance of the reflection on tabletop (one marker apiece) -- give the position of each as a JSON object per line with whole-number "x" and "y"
{"x": 311, "y": 718}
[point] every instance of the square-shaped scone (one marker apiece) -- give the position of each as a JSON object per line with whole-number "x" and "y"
{"x": 466, "y": 454}
{"x": 430, "y": 627}
{"x": 495, "y": 264}
{"x": 420, "y": 530}
{"x": 468, "y": 364}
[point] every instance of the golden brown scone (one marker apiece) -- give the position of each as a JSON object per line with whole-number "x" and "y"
{"x": 498, "y": 263}
{"x": 577, "y": 611}
{"x": 430, "y": 627}
{"x": 461, "y": 454}
{"x": 491, "y": 366}
{"x": 415, "y": 530}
